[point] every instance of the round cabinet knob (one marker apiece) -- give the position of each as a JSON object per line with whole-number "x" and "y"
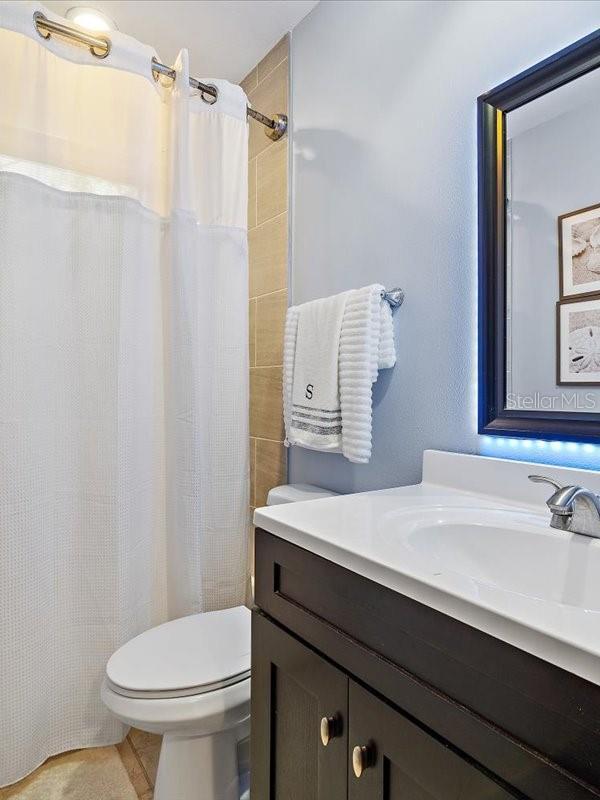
{"x": 363, "y": 757}
{"x": 329, "y": 730}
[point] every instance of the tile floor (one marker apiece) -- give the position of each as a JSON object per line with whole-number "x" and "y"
{"x": 124, "y": 772}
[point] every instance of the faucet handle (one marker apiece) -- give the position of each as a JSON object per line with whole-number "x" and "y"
{"x": 560, "y": 501}
{"x": 544, "y": 479}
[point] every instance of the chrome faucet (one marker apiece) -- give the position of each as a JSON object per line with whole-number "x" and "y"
{"x": 573, "y": 508}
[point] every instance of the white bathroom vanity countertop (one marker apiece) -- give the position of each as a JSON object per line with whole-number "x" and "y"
{"x": 472, "y": 541}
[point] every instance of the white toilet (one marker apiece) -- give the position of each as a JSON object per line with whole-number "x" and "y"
{"x": 189, "y": 680}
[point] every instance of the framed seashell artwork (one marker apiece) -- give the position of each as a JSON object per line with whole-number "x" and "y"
{"x": 579, "y": 252}
{"x": 578, "y": 342}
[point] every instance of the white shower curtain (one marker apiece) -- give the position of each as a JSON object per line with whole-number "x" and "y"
{"x": 123, "y": 370}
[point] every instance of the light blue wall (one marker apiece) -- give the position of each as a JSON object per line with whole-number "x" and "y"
{"x": 384, "y": 190}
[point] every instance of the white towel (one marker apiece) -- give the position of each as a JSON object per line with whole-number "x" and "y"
{"x": 311, "y": 395}
{"x": 366, "y": 346}
{"x": 343, "y": 341}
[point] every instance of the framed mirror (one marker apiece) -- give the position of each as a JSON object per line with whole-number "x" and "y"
{"x": 539, "y": 250}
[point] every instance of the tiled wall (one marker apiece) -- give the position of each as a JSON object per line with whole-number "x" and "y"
{"x": 267, "y": 89}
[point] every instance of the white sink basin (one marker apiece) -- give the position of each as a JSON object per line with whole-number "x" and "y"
{"x": 514, "y": 551}
{"x": 473, "y": 540}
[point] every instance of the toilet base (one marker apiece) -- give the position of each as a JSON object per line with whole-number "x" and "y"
{"x": 194, "y": 767}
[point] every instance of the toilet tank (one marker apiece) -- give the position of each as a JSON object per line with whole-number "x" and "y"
{"x": 294, "y": 492}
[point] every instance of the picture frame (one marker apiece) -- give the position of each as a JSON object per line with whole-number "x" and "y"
{"x": 579, "y": 252}
{"x": 578, "y": 341}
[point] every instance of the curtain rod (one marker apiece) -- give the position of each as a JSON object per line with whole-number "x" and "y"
{"x": 99, "y": 46}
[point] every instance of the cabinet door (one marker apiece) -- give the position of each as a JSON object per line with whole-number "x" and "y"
{"x": 299, "y": 738}
{"x": 400, "y": 761}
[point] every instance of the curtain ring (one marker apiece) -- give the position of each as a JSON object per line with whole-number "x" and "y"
{"x": 99, "y": 46}
{"x": 161, "y": 71}
{"x": 210, "y": 98}
{"x": 37, "y": 16}
{"x": 102, "y": 53}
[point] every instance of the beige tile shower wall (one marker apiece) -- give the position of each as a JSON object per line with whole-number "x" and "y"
{"x": 267, "y": 89}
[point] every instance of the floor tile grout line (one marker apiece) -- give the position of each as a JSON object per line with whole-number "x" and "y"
{"x": 140, "y": 762}
{"x": 94, "y": 766}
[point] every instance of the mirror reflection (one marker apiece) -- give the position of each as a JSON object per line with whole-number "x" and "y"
{"x": 553, "y": 250}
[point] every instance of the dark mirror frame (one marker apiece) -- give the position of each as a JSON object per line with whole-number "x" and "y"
{"x": 561, "y": 68}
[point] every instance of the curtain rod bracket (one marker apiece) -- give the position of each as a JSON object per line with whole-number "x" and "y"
{"x": 278, "y": 127}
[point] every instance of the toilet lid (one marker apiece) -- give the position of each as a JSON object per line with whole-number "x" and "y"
{"x": 191, "y": 655}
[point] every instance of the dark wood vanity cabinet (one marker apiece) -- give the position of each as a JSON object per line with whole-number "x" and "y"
{"x": 314, "y": 725}
{"x": 298, "y": 689}
{"x": 349, "y": 677}
{"x": 407, "y": 762}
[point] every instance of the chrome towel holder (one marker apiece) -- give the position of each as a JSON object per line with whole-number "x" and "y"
{"x": 395, "y": 297}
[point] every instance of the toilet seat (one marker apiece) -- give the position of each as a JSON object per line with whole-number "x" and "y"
{"x": 193, "y": 655}
{"x": 174, "y": 693}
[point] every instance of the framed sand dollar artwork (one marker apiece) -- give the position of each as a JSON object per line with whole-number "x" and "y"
{"x": 579, "y": 252}
{"x": 578, "y": 342}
